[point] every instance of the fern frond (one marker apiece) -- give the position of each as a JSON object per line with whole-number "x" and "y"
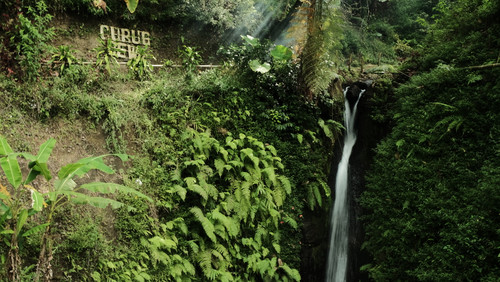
{"x": 263, "y": 266}
{"x": 292, "y": 273}
{"x": 223, "y": 251}
{"x": 193, "y": 246}
{"x": 271, "y": 176}
{"x": 317, "y": 193}
{"x": 188, "y": 267}
{"x": 291, "y": 222}
{"x": 245, "y": 190}
{"x": 219, "y": 166}
{"x": 311, "y": 199}
{"x": 207, "y": 225}
{"x": 260, "y": 233}
{"x": 192, "y": 186}
{"x": 205, "y": 262}
{"x": 229, "y": 224}
{"x": 279, "y": 197}
{"x": 209, "y": 188}
{"x": 285, "y": 183}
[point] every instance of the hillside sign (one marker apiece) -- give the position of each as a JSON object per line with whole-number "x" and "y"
{"x": 126, "y": 40}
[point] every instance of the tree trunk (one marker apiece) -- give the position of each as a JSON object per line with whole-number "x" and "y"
{"x": 14, "y": 261}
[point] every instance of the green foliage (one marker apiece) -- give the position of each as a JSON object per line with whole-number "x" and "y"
{"x": 29, "y": 39}
{"x": 131, "y": 5}
{"x": 64, "y": 56}
{"x": 464, "y": 33}
{"x": 235, "y": 188}
{"x": 140, "y": 66}
{"x": 259, "y": 67}
{"x": 430, "y": 200}
{"x": 106, "y": 54}
{"x": 191, "y": 58}
{"x": 320, "y": 59}
{"x": 16, "y": 209}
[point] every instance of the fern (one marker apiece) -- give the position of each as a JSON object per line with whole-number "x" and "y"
{"x": 219, "y": 166}
{"x": 193, "y": 246}
{"x": 181, "y": 191}
{"x": 311, "y": 200}
{"x": 205, "y": 262}
{"x": 205, "y": 223}
{"x": 260, "y": 233}
{"x": 271, "y": 176}
{"x": 290, "y": 221}
{"x": 263, "y": 266}
{"x": 229, "y": 224}
{"x": 317, "y": 193}
{"x": 192, "y": 186}
{"x": 209, "y": 188}
{"x": 292, "y": 273}
{"x": 285, "y": 183}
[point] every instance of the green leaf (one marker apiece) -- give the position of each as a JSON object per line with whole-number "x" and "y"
{"x": 285, "y": 183}
{"x": 293, "y": 273}
{"x": 160, "y": 242}
{"x": 98, "y": 202}
{"x": 219, "y": 165}
{"x": 326, "y": 129}
{"x": 96, "y": 276}
{"x": 207, "y": 225}
{"x": 257, "y": 66}
{"x": 277, "y": 247}
{"x": 269, "y": 172}
{"x": 5, "y": 149}
{"x": 105, "y": 188}
{"x": 45, "y": 150}
{"x": 192, "y": 186}
{"x": 66, "y": 184}
{"x": 37, "y": 169}
{"x": 317, "y": 194}
{"x": 35, "y": 229}
{"x": 251, "y": 40}
{"x": 12, "y": 170}
{"x": 181, "y": 191}
{"x": 37, "y": 200}
{"x": 4, "y": 197}
{"x": 94, "y": 163}
{"x": 23, "y": 216}
{"x": 281, "y": 53}
{"x": 68, "y": 169}
{"x": 291, "y": 222}
{"x": 300, "y": 138}
{"x": 400, "y": 143}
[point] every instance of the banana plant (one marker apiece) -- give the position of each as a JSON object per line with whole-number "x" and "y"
{"x": 15, "y": 210}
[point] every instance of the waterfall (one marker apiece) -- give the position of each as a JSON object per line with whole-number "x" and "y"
{"x": 337, "y": 255}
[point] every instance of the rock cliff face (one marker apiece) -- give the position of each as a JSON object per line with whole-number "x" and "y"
{"x": 316, "y": 224}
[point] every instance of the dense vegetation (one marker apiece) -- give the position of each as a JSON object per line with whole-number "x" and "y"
{"x": 432, "y": 194}
{"x": 223, "y": 164}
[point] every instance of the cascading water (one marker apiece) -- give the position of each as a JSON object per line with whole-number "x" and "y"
{"x": 337, "y": 255}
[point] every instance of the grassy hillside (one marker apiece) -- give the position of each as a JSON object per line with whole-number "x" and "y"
{"x": 231, "y": 158}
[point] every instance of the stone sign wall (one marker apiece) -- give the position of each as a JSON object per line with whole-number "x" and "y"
{"x": 126, "y": 39}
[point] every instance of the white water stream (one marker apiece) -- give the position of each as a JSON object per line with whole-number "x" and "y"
{"x": 336, "y": 267}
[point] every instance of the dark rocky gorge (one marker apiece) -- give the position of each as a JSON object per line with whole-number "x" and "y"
{"x": 316, "y": 228}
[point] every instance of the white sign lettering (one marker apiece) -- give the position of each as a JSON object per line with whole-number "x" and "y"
{"x": 126, "y": 39}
